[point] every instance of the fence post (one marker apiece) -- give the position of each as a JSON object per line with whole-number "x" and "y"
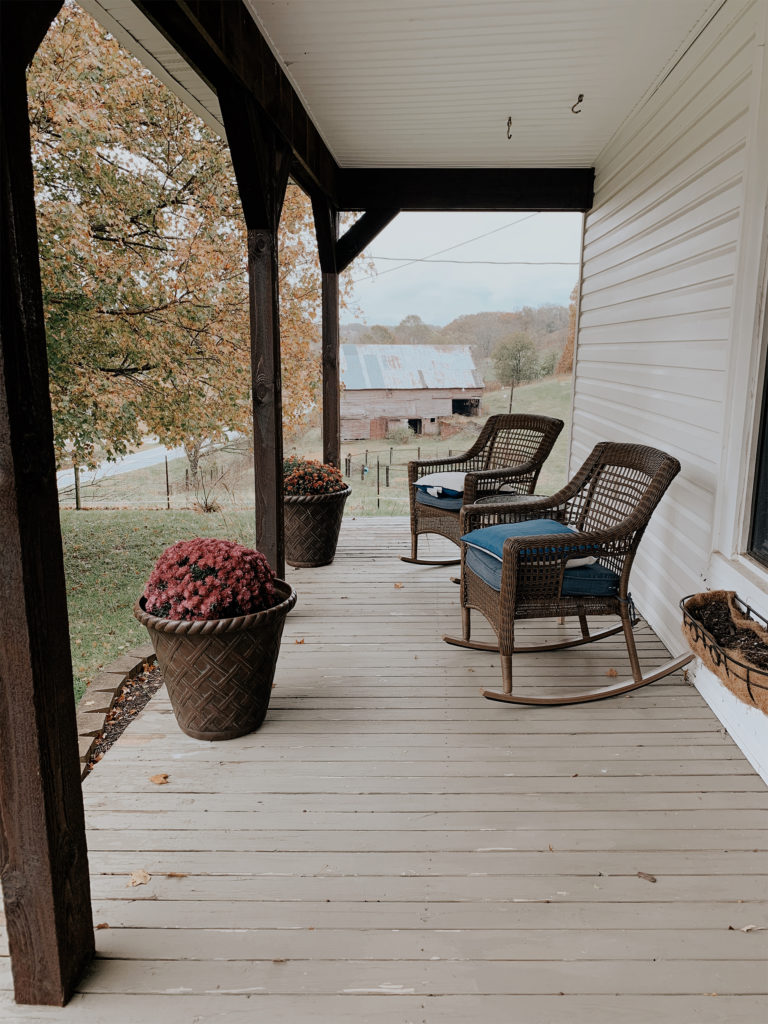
{"x": 167, "y": 486}
{"x": 390, "y": 456}
{"x": 386, "y": 476}
{"x": 186, "y": 479}
{"x": 418, "y": 454}
{"x": 362, "y": 473}
{"x": 77, "y": 487}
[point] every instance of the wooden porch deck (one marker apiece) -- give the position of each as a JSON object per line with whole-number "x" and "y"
{"x": 391, "y": 848}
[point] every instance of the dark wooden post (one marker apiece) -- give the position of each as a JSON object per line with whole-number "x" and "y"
{"x": 261, "y": 160}
{"x": 43, "y": 856}
{"x": 327, "y": 230}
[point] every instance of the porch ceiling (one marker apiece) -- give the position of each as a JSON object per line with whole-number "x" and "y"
{"x": 431, "y": 83}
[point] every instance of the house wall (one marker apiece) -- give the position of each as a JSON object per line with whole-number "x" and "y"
{"x": 669, "y": 340}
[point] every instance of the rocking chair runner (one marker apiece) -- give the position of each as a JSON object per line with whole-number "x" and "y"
{"x": 598, "y": 517}
{"x": 509, "y": 453}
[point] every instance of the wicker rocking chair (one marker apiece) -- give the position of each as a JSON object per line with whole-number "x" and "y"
{"x": 597, "y": 518}
{"x": 508, "y": 454}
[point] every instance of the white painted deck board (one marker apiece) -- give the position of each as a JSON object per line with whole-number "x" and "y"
{"x": 391, "y": 848}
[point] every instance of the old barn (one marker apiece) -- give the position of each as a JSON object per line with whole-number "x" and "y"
{"x": 415, "y": 386}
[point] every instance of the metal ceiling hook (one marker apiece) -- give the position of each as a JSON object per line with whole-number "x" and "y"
{"x": 578, "y": 101}
{"x": 509, "y": 127}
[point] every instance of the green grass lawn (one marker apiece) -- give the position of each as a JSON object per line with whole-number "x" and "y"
{"x": 109, "y": 553}
{"x": 108, "y": 556}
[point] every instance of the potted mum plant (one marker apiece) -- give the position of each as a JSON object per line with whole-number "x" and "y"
{"x": 314, "y": 496}
{"x": 215, "y": 615}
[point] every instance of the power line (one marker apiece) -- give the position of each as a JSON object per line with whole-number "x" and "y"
{"x": 484, "y": 263}
{"x": 450, "y": 248}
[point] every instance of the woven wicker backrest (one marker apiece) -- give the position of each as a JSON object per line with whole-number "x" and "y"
{"x": 626, "y": 481}
{"x": 514, "y": 439}
{"x": 512, "y": 447}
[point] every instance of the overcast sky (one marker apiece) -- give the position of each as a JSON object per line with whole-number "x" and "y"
{"x": 439, "y": 292}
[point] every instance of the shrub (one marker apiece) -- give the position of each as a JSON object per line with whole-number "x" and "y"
{"x": 308, "y": 476}
{"x": 207, "y": 578}
{"x": 400, "y": 435}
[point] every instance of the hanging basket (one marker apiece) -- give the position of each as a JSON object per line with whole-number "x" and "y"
{"x": 312, "y": 524}
{"x": 219, "y": 672}
{"x": 746, "y": 680}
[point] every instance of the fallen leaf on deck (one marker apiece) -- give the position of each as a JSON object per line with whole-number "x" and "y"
{"x": 398, "y": 586}
{"x": 551, "y": 848}
{"x": 140, "y": 877}
{"x": 102, "y": 925}
{"x": 646, "y": 876}
{"x": 299, "y": 641}
{"x": 161, "y": 779}
{"x": 611, "y": 673}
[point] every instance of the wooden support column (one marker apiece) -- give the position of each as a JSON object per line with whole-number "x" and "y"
{"x": 327, "y": 230}
{"x": 43, "y": 856}
{"x": 335, "y": 255}
{"x": 261, "y": 160}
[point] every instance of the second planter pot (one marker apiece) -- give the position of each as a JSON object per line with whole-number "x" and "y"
{"x": 312, "y": 524}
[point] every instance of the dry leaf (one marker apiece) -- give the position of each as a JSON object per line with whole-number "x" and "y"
{"x": 102, "y": 925}
{"x": 611, "y": 673}
{"x": 299, "y": 641}
{"x": 646, "y": 876}
{"x": 160, "y": 779}
{"x": 398, "y": 586}
{"x": 140, "y": 877}
{"x": 551, "y": 848}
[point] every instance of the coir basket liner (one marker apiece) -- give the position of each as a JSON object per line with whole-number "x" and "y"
{"x": 312, "y": 524}
{"x": 745, "y": 680}
{"x": 219, "y": 672}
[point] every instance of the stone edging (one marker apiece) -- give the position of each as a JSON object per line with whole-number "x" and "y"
{"x": 101, "y": 694}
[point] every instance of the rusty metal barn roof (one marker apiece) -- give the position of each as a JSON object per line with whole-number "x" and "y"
{"x": 401, "y": 367}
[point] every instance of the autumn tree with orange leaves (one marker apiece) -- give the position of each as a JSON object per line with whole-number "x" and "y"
{"x": 143, "y": 258}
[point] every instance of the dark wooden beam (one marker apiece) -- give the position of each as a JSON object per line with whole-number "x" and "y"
{"x": 553, "y": 189}
{"x": 363, "y": 231}
{"x": 327, "y": 229}
{"x": 261, "y": 160}
{"x": 43, "y": 856}
{"x": 221, "y": 40}
{"x": 326, "y": 218}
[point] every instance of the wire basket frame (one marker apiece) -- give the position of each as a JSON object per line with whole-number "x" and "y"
{"x": 747, "y": 681}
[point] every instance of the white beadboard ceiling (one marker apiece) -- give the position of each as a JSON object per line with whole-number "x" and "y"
{"x": 431, "y": 83}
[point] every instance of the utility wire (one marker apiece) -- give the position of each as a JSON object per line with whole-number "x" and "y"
{"x": 450, "y": 248}
{"x": 484, "y": 263}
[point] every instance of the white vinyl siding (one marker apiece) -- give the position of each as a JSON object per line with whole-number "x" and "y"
{"x": 661, "y": 250}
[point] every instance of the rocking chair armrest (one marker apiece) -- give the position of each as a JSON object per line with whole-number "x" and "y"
{"x": 488, "y": 481}
{"x": 415, "y": 468}
{"x": 486, "y": 513}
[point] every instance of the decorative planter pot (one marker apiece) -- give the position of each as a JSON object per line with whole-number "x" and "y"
{"x": 312, "y": 524}
{"x": 219, "y": 672}
{"x": 746, "y": 680}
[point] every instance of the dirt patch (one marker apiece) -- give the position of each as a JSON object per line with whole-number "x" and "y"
{"x": 133, "y": 697}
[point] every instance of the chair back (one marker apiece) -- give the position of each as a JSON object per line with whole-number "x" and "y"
{"x": 620, "y": 486}
{"x": 514, "y": 439}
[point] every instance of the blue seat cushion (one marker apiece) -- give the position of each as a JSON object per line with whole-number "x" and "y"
{"x": 585, "y": 581}
{"x": 491, "y": 538}
{"x": 449, "y": 504}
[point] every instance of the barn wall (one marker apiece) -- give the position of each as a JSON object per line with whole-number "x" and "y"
{"x": 668, "y": 333}
{"x": 359, "y": 407}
